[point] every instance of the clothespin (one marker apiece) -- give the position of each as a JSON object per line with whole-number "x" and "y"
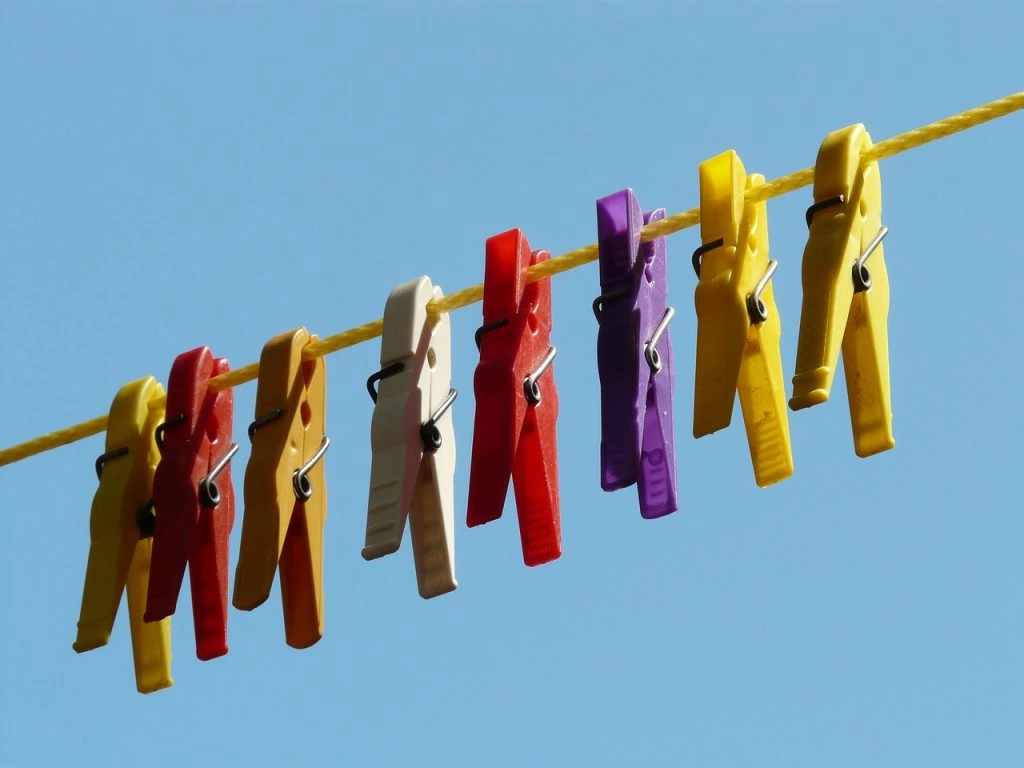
{"x": 412, "y": 470}
{"x": 844, "y": 301}
{"x": 121, "y": 526}
{"x": 195, "y": 500}
{"x": 634, "y": 356}
{"x": 517, "y": 402}
{"x": 285, "y": 493}
{"x": 738, "y": 326}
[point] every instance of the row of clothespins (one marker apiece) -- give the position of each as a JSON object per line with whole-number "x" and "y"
{"x": 165, "y": 498}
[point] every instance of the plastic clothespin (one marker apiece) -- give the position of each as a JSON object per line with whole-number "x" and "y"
{"x": 195, "y": 499}
{"x": 844, "y": 301}
{"x": 412, "y": 471}
{"x": 517, "y": 402}
{"x": 634, "y": 356}
{"x": 738, "y": 326}
{"x": 121, "y": 526}
{"x": 285, "y": 492}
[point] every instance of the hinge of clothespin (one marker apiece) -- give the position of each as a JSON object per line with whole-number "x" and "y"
{"x": 517, "y": 402}
{"x": 195, "y": 500}
{"x": 285, "y": 490}
{"x": 412, "y": 470}
{"x": 121, "y": 526}
{"x": 634, "y": 356}
{"x": 846, "y": 291}
{"x": 739, "y": 330}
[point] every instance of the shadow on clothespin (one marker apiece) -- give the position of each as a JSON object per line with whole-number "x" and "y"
{"x": 846, "y": 291}
{"x": 634, "y": 357}
{"x": 285, "y": 491}
{"x": 516, "y": 401}
{"x": 195, "y": 499}
{"x": 412, "y": 470}
{"x": 121, "y": 526}
{"x": 739, "y": 330}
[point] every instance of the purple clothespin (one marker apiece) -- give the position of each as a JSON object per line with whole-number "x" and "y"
{"x": 634, "y": 356}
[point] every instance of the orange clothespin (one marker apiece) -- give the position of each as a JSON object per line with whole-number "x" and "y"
{"x": 412, "y": 472}
{"x": 121, "y": 526}
{"x": 738, "y": 326}
{"x": 846, "y": 298}
{"x": 285, "y": 493}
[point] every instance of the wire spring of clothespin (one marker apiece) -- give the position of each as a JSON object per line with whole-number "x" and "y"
{"x": 300, "y": 480}
{"x": 651, "y": 347}
{"x": 861, "y": 276}
{"x": 756, "y": 308}
{"x": 429, "y": 432}
{"x": 530, "y": 386}
{"x": 209, "y": 493}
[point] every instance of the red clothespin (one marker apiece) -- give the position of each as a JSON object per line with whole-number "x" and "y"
{"x": 517, "y": 402}
{"x": 194, "y": 500}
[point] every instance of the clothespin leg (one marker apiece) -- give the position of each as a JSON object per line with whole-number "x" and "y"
{"x": 151, "y": 641}
{"x": 866, "y": 364}
{"x": 763, "y": 401}
{"x": 657, "y": 479}
{"x": 494, "y": 443}
{"x": 620, "y": 438}
{"x": 206, "y": 568}
{"x": 394, "y": 450}
{"x": 302, "y": 580}
{"x": 105, "y": 576}
{"x": 432, "y": 524}
{"x": 539, "y": 518}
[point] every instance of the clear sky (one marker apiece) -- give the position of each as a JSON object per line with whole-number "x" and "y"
{"x": 178, "y": 174}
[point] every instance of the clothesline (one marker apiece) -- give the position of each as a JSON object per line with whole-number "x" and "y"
{"x": 677, "y": 222}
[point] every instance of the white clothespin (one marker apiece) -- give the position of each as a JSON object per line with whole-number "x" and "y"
{"x": 412, "y": 471}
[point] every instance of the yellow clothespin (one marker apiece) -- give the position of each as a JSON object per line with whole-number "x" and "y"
{"x": 845, "y": 298}
{"x": 121, "y": 529}
{"x": 285, "y": 492}
{"x": 738, "y": 325}
{"x": 412, "y": 473}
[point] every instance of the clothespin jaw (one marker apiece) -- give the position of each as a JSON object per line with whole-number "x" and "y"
{"x": 739, "y": 330}
{"x": 846, "y": 297}
{"x": 634, "y": 357}
{"x": 195, "y": 499}
{"x": 285, "y": 493}
{"x": 517, "y": 403}
{"x": 412, "y": 471}
{"x": 121, "y": 524}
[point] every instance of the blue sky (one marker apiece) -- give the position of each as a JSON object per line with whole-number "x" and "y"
{"x": 177, "y": 174}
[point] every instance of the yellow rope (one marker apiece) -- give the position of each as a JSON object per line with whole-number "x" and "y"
{"x": 463, "y": 298}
